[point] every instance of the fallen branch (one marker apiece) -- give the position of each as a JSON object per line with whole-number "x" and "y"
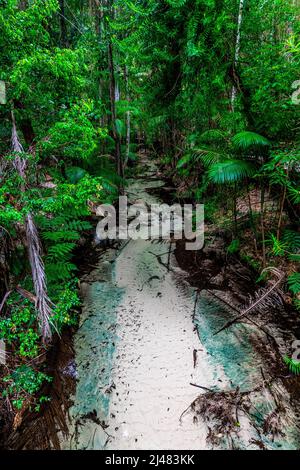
{"x": 26, "y": 294}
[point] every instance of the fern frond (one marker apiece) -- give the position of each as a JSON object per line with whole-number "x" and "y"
{"x": 294, "y": 366}
{"x": 176, "y": 3}
{"x": 279, "y": 247}
{"x": 57, "y": 236}
{"x": 60, "y": 251}
{"x": 60, "y": 271}
{"x": 294, "y": 195}
{"x": 292, "y": 239}
{"x": 293, "y": 283}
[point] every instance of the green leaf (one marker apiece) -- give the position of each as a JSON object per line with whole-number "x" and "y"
{"x": 230, "y": 171}
{"x": 246, "y": 140}
{"x": 185, "y": 160}
{"x": 293, "y": 282}
{"x": 294, "y": 366}
{"x": 119, "y": 127}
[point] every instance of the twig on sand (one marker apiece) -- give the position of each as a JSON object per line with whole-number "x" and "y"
{"x": 165, "y": 265}
{"x": 203, "y": 388}
{"x": 195, "y": 304}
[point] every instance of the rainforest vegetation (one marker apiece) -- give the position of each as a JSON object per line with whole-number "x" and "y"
{"x": 211, "y": 90}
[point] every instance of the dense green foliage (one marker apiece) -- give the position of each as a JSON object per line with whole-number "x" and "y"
{"x": 207, "y": 84}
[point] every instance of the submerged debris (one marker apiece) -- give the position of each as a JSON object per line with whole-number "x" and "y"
{"x": 223, "y": 410}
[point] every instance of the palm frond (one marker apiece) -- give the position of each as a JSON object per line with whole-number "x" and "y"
{"x": 209, "y": 156}
{"x": 185, "y": 160}
{"x": 212, "y": 136}
{"x": 230, "y": 171}
{"x": 246, "y": 140}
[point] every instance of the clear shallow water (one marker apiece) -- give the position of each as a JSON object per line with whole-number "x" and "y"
{"x": 233, "y": 354}
{"x": 134, "y": 355}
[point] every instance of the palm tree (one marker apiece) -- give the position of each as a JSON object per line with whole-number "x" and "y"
{"x": 230, "y": 161}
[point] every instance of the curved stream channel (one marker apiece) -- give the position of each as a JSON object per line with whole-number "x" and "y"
{"x": 143, "y": 339}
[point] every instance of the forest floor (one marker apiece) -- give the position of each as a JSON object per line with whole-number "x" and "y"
{"x": 148, "y": 370}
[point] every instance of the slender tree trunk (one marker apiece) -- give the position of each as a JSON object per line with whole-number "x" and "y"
{"x": 97, "y": 11}
{"x": 128, "y": 117}
{"x": 262, "y": 223}
{"x": 235, "y": 210}
{"x": 23, "y": 4}
{"x": 25, "y": 125}
{"x": 63, "y": 26}
{"x": 281, "y": 212}
{"x": 252, "y": 220}
{"x": 237, "y": 49}
{"x": 112, "y": 92}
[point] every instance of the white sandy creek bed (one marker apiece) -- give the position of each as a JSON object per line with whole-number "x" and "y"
{"x": 135, "y": 350}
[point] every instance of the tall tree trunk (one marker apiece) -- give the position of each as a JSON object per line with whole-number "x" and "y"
{"x": 23, "y": 4}
{"x": 63, "y": 26}
{"x": 262, "y": 223}
{"x": 128, "y": 117}
{"x": 112, "y": 92}
{"x": 252, "y": 219}
{"x": 97, "y": 11}
{"x": 237, "y": 50}
{"x": 281, "y": 208}
{"x": 235, "y": 210}
{"x": 25, "y": 124}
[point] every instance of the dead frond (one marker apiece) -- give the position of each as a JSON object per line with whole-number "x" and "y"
{"x": 263, "y": 298}
{"x": 42, "y": 301}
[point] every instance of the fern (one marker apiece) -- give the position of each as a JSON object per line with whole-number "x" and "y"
{"x": 294, "y": 366}
{"x": 292, "y": 239}
{"x": 75, "y": 174}
{"x": 176, "y": 3}
{"x": 293, "y": 283}
{"x": 278, "y": 247}
{"x": 79, "y": 225}
{"x": 61, "y": 236}
{"x": 60, "y": 271}
{"x": 294, "y": 195}
{"x": 60, "y": 251}
{"x": 233, "y": 247}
